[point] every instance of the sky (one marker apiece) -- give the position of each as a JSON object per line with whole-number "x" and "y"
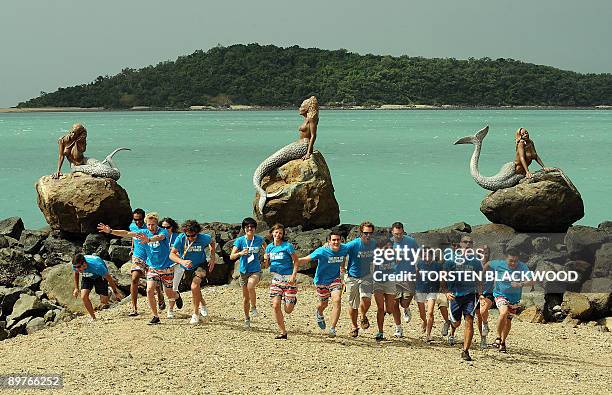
{"x": 49, "y": 44}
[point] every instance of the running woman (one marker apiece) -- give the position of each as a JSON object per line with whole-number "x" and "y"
{"x": 283, "y": 262}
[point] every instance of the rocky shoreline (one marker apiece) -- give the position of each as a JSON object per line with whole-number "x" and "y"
{"x": 36, "y": 287}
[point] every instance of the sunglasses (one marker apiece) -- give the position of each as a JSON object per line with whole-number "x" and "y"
{"x": 167, "y": 227}
{"x": 190, "y": 236}
{"x": 367, "y": 233}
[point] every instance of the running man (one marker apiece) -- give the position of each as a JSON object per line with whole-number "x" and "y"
{"x": 158, "y": 261}
{"x": 249, "y": 248}
{"x": 189, "y": 252}
{"x": 463, "y": 291}
{"x": 359, "y": 276}
{"x": 427, "y": 288}
{"x": 283, "y": 262}
{"x": 486, "y": 299}
{"x": 95, "y": 275}
{"x": 508, "y": 293}
{"x": 139, "y": 263}
{"x": 405, "y": 290}
{"x": 331, "y": 264}
{"x": 384, "y": 291}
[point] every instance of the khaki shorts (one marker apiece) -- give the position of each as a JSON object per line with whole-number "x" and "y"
{"x": 244, "y": 278}
{"x": 405, "y": 289}
{"x": 384, "y": 287}
{"x": 441, "y": 300}
{"x": 189, "y": 275}
{"x": 357, "y": 288}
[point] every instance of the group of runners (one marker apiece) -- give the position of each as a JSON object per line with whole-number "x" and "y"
{"x": 165, "y": 257}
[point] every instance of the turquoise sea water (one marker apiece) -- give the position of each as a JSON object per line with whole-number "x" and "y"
{"x": 386, "y": 165}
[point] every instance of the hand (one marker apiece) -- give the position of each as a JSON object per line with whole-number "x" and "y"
{"x": 306, "y": 157}
{"x": 143, "y": 238}
{"x": 528, "y": 174}
{"x": 244, "y": 252}
{"x": 57, "y": 175}
{"x": 450, "y": 296}
{"x": 75, "y": 292}
{"x": 104, "y": 228}
{"x": 118, "y": 294}
{"x": 211, "y": 266}
{"x": 292, "y": 279}
{"x": 548, "y": 169}
{"x": 187, "y": 263}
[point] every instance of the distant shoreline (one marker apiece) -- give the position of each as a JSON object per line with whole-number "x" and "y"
{"x": 385, "y": 107}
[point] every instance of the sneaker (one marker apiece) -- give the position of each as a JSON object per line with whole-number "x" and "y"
{"x": 254, "y": 312}
{"x": 332, "y": 332}
{"x": 502, "y": 348}
{"x": 247, "y": 323}
{"x": 365, "y": 323}
{"x": 451, "y": 340}
{"x": 203, "y": 311}
{"x": 465, "y": 355}
{"x": 133, "y": 313}
{"x": 483, "y": 342}
{"x": 399, "y": 332}
{"x": 485, "y": 329}
{"x": 154, "y": 321}
{"x": 429, "y": 339}
{"x": 379, "y": 337}
{"x": 407, "y": 315}
{"x": 445, "y": 328}
{"x": 320, "y": 319}
{"x": 282, "y": 336}
{"x": 179, "y": 301}
{"x": 195, "y": 319}
{"x": 170, "y": 314}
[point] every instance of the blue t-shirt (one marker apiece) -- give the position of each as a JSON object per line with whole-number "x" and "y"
{"x": 328, "y": 266}
{"x": 384, "y": 269}
{"x": 158, "y": 252}
{"x": 140, "y": 250}
{"x": 360, "y": 257}
{"x": 461, "y": 265}
{"x": 196, "y": 251}
{"x": 96, "y": 267}
{"x": 504, "y": 287}
{"x": 281, "y": 261}
{"x": 406, "y": 265}
{"x": 254, "y": 247}
{"x": 427, "y": 282}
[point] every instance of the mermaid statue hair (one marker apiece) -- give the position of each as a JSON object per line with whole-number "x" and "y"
{"x": 76, "y": 133}
{"x": 518, "y": 138}
{"x": 313, "y": 108}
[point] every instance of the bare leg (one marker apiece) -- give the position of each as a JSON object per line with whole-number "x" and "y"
{"x": 501, "y": 322}
{"x": 196, "y": 293}
{"x": 421, "y": 306}
{"x": 87, "y": 302}
{"x": 337, "y": 306}
{"x": 246, "y": 302}
{"x": 251, "y": 285}
{"x": 278, "y": 314}
{"x": 353, "y": 313}
{"x": 136, "y": 274}
{"x": 151, "y": 290}
{"x": 397, "y": 317}
{"x": 468, "y": 332}
{"x": 364, "y": 306}
{"x": 506, "y": 330}
{"x": 431, "y": 304}
{"x": 380, "y": 311}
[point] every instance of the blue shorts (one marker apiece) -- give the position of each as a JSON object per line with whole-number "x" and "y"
{"x": 463, "y": 306}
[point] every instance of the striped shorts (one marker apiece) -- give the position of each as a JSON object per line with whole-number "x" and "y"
{"x": 281, "y": 287}
{"x": 324, "y": 291}
{"x": 163, "y": 276}
{"x": 513, "y": 309}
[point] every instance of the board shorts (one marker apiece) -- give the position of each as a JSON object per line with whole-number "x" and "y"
{"x": 405, "y": 289}
{"x": 465, "y": 305}
{"x": 384, "y": 287}
{"x": 139, "y": 265}
{"x": 513, "y": 308}
{"x": 199, "y": 271}
{"x": 422, "y": 297}
{"x": 244, "y": 278}
{"x": 357, "y": 288}
{"x": 163, "y": 276}
{"x": 324, "y": 291}
{"x": 99, "y": 283}
{"x": 281, "y": 288}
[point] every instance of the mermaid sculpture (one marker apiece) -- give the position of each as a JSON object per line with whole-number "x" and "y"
{"x": 72, "y": 146}
{"x": 512, "y": 172}
{"x": 301, "y": 149}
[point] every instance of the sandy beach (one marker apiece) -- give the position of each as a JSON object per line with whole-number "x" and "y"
{"x": 119, "y": 354}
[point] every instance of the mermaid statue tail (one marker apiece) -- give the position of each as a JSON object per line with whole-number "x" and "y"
{"x": 286, "y": 154}
{"x": 105, "y": 169}
{"x": 505, "y": 178}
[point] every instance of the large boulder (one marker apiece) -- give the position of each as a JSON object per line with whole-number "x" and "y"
{"x": 13, "y": 264}
{"x": 11, "y": 227}
{"x": 307, "y": 196}
{"x": 32, "y": 240}
{"x": 58, "y": 284}
{"x": 545, "y": 202}
{"x": 603, "y": 261}
{"x": 76, "y": 202}
{"x": 583, "y": 241}
{"x": 587, "y": 306}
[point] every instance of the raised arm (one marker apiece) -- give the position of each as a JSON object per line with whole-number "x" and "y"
{"x": 102, "y": 228}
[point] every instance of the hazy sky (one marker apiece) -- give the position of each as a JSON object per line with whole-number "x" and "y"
{"x": 46, "y": 44}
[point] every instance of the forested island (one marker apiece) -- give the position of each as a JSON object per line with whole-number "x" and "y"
{"x": 273, "y": 76}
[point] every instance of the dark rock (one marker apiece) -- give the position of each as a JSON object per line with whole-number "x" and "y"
{"x": 76, "y": 203}
{"x": 4, "y": 242}
{"x": 57, "y": 258}
{"x": 541, "y": 244}
{"x": 598, "y": 285}
{"x": 587, "y": 306}
{"x": 603, "y": 261}
{"x": 583, "y": 241}
{"x": 31, "y": 281}
{"x": 120, "y": 254}
{"x": 14, "y": 263}
{"x": 55, "y": 244}
{"x": 542, "y": 203}
{"x": 26, "y": 306}
{"x": 220, "y": 275}
{"x": 122, "y": 241}
{"x": 8, "y": 297}
{"x": 4, "y": 334}
{"x": 49, "y": 315}
{"x": 19, "y": 328}
{"x": 97, "y": 244}
{"x": 307, "y": 196}
{"x": 496, "y": 236}
{"x": 11, "y": 227}
{"x": 34, "y": 325}
{"x": 606, "y": 226}
{"x": 306, "y": 242}
{"x": 32, "y": 240}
